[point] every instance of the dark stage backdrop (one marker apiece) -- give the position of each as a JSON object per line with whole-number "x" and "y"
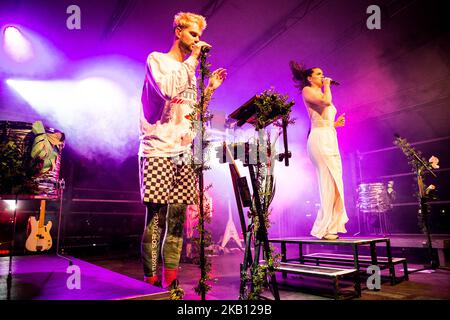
{"x": 393, "y": 80}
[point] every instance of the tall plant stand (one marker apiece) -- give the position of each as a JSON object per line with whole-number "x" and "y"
{"x": 420, "y": 165}
{"x": 424, "y": 211}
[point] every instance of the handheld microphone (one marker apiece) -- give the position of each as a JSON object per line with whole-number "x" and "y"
{"x": 205, "y": 49}
{"x": 334, "y": 82}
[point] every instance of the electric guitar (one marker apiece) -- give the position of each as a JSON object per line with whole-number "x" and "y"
{"x": 39, "y": 238}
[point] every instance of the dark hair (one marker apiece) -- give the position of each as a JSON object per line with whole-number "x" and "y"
{"x": 300, "y": 74}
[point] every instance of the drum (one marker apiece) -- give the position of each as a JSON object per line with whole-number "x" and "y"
{"x": 47, "y": 184}
{"x": 373, "y": 198}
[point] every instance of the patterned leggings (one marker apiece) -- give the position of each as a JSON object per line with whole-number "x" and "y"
{"x": 157, "y": 216}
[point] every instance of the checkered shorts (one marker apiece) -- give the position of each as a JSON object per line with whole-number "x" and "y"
{"x": 167, "y": 180}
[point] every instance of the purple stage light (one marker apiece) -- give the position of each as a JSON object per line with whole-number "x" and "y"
{"x": 97, "y": 115}
{"x": 27, "y": 54}
{"x": 16, "y": 45}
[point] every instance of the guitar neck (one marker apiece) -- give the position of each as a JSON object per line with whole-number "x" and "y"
{"x": 42, "y": 214}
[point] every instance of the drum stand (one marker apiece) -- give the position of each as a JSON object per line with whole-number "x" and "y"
{"x": 384, "y": 229}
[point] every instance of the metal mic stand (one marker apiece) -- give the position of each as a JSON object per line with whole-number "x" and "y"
{"x": 200, "y": 173}
{"x": 62, "y": 186}
{"x": 286, "y": 154}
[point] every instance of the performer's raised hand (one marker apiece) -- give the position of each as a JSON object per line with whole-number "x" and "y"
{"x": 326, "y": 81}
{"x": 340, "y": 122}
{"x": 217, "y": 78}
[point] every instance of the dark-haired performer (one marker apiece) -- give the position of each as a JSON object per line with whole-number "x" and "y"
{"x": 323, "y": 150}
{"x": 167, "y": 179}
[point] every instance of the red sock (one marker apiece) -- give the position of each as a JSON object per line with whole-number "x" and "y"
{"x": 151, "y": 280}
{"x": 168, "y": 276}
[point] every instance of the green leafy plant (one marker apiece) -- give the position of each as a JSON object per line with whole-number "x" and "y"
{"x": 271, "y": 106}
{"x": 260, "y": 273}
{"x": 199, "y": 116}
{"x": 17, "y": 172}
{"x": 419, "y": 165}
{"x": 176, "y": 294}
{"x": 22, "y": 163}
{"x": 46, "y": 146}
{"x": 203, "y": 284}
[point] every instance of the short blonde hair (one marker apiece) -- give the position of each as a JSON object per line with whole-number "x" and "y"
{"x": 185, "y": 19}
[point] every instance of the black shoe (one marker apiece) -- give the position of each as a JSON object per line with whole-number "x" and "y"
{"x": 158, "y": 284}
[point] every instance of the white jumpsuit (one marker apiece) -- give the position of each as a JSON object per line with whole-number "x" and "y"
{"x": 323, "y": 151}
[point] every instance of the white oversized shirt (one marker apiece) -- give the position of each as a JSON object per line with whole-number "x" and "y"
{"x": 168, "y": 97}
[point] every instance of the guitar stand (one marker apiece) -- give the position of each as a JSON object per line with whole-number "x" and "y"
{"x": 14, "y": 222}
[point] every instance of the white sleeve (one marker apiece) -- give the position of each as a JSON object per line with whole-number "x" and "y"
{"x": 169, "y": 82}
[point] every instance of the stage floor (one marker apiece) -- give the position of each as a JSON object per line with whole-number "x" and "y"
{"x": 105, "y": 276}
{"x": 423, "y": 285}
{"x": 45, "y": 277}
